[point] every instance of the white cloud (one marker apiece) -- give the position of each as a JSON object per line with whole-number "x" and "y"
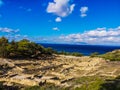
{"x": 8, "y": 30}
{"x": 72, "y": 8}
{"x": 97, "y": 36}
{"x": 83, "y": 15}
{"x": 12, "y": 34}
{"x": 72, "y": 38}
{"x": 17, "y": 37}
{"x": 58, "y": 19}
{"x": 83, "y": 11}
{"x": 61, "y": 8}
{"x": 103, "y": 32}
{"x": 55, "y": 29}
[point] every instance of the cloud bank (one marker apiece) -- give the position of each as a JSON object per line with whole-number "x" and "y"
{"x": 8, "y": 30}
{"x": 12, "y": 34}
{"x": 97, "y": 36}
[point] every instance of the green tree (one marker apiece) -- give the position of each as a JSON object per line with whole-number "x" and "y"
{"x": 12, "y": 49}
{"x": 3, "y": 47}
{"x": 48, "y": 51}
{"x": 95, "y": 54}
{"x": 22, "y": 49}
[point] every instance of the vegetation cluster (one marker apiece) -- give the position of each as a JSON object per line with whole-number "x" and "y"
{"x": 26, "y": 49}
{"x": 112, "y": 56}
{"x": 22, "y": 49}
{"x": 71, "y": 53}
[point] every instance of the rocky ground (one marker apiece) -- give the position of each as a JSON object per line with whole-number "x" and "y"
{"x": 60, "y": 71}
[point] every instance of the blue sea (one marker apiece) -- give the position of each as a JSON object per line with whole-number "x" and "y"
{"x": 85, "y": 49}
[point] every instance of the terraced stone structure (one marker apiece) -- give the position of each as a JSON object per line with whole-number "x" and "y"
{"x": 61, "y": 71}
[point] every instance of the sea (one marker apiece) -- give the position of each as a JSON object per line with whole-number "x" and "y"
{"x": 84, "y": 49}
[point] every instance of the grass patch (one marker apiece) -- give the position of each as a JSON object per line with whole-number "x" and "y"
{"x": 45, "y": 87}
{"x": 89, "y": 83}
{"x": 112, "y": 56}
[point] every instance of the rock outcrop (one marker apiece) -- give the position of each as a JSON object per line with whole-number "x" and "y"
{"x": 60, "y": 71}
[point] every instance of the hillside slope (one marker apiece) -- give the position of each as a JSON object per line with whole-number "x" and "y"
{"x": 63, "y": 71}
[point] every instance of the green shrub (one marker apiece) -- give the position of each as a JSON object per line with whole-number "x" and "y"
{"x": 1, "y": 86}
{"x": 22, "y": 49}
{"x": 72, "y": 53}
{"x": 77, "y": 54}
{"x": 45, "y": 87}
{"x": 89, "y": 83}
{"x": 34, "y": 88}
{"x": 3, "y": 47}
{"x": 95, "y": 54}
{"x": 112, "y": 56}
{"x": 111, "y": 84}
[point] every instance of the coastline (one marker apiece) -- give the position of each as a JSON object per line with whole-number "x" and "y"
{"x": 84, "y": 49}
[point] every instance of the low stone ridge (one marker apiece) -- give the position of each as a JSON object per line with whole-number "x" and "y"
{"x": 60, "y": 71}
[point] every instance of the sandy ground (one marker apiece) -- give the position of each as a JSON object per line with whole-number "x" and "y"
{"x": 59, "y": 71}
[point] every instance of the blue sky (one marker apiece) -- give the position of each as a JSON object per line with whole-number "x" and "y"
{"x": 61, "y": 21}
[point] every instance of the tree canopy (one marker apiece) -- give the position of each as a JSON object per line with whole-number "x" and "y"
{"x": 22, "y": 49}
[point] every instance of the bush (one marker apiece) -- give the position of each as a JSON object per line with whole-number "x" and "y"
{"x": 73, "y": 53}
{"x": 3, "y": 47}
{"x": 45, "y": 87}
{"x": 22, "y": 49}
{"x": 89, "y": 83}
{"x": 77, "y": 54}
{"x": 95, "y": 54}
{"x": 111, "y": 84}
{"x": 34, "y": 88}
{"x": 112, "y": 56}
